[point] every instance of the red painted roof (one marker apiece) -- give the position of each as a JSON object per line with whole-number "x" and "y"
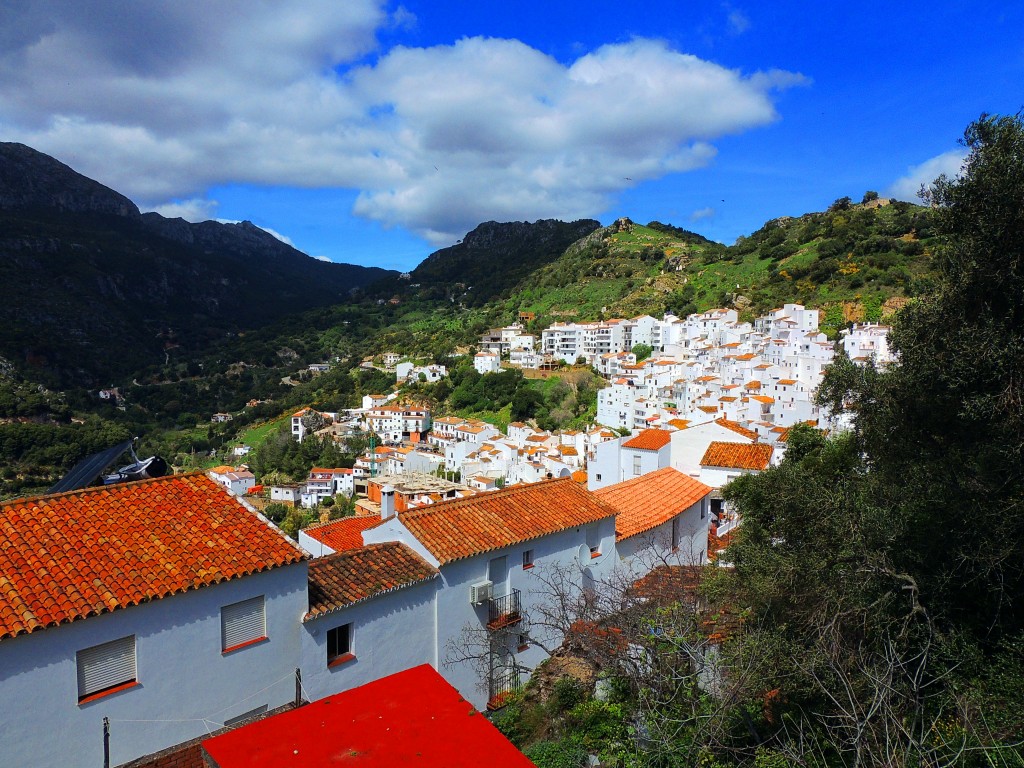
{"x": 71, "y": 555}
{"x": 470, "y": 526}
{"x": 737, "y": 455}
{"x": 647, "y": 501}
{"x": 344, "y": 534}
{"x": 413, "y": 718}
{"x": 344, "y": 578}
{"x": 739, "y": 429}
{"x": 649, "y": 440}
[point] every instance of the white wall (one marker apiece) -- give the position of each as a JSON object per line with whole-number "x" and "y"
{"x": 455, "y": 612}
{"x": 646, "y": 550}
{"x": 389, "y": 633}
{"x": 183, "y": 676}
{"x": 689, "y": 445}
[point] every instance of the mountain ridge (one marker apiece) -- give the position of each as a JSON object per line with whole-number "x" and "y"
{"x": 91, "y": 287}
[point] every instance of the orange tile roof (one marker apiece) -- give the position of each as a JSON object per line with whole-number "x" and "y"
{"x": 647, "y": 501}
{"x": 787, "y": 382}
{"x": 344, "y": 578}
{"x": 737, "y": 455}
{"x": 67, "y": 556}
{"x": 649, "y": 440}
{"x": 465, "y": 527}
{"x": 580, "y": 476}
{"x": 739, "y": 429}
{"x": 344, "y": 534}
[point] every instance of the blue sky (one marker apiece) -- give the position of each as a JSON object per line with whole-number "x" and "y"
{"x": 374, "y": 132}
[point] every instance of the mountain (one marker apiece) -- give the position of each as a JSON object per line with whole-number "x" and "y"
{"x": 492, "y": 259}
{"x": 91, "y": 289}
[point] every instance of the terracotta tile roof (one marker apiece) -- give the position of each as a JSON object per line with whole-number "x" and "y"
{"x": 71, "y": 555}
{"x": 647, "y": 501}
{"x": 739, "y": 429}
{"x": 462, "y": 528}
{"x": 680, "y": 423}
{"x": 737, "y": 455}
{"x": 580, "y": 476}
{"x": 787, "y": 382}
{"x": 649, "y": 440}
{"x": 667, "y": 584}
{"x": 345, "y": 578}
{"x": 344, "y": 534}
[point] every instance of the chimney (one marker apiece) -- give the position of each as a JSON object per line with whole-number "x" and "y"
{"x": 387, "y": 502}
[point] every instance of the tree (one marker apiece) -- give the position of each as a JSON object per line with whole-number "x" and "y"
{"x": 886, "y": 562}
{"x": 642, "y": 351}
{"x": 869, "y": 196}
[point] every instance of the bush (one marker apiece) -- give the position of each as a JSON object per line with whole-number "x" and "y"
{"x": 566, "y": 753}
{"x": 567, "y": 693}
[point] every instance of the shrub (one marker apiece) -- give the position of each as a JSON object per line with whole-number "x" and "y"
{"x": 565, "y": 753}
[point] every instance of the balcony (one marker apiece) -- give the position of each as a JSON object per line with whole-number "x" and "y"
{"x": 502, "y": 685}
{"x": 504, "y": 611}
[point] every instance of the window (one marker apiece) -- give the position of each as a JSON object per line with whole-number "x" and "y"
{"x": 523, "y": 643}
{"x": 106, "y": 668}
{"x": 703, "y": 508}
{"x": 636, "y": 465}
{"x": 339, "y": 645}
{"x": 527, "y": 559}
{"x": 242, "y": 624}
{"x": 675, "y": 533}
{"x": 594, "y": 541}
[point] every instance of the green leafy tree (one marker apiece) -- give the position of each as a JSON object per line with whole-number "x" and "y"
{"x": 642, "y": 351}
{"x": 886, "y": 562}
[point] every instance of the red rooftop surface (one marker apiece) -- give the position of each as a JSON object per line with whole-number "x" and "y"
{"x": 647, "y": 501}
{"x": 70, "y": 555}
{"x": 471, "y": 526}
{"x": 343, "y": 534}
{"x": 650, "y": 440}
{"x": 413, "y": 718}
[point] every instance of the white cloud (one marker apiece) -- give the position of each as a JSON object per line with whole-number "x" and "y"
{"x": 906, "y": 187}
{"x": 738, "y": 22}
{"x": 272, "y": 232}
{"x": 702, "y": 213}
{"x": 434, "y": 139}
{"x": 195, "y": 209}
{"x": 283, "y": 238}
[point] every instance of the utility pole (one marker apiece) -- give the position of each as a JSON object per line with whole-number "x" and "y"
{"x": 106, "y": 742}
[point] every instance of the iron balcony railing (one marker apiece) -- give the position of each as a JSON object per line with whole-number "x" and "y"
{"x": 504, "y": 611}
{"x": 502, "y": 684}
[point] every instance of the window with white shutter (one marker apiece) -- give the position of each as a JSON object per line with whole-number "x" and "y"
{"x": 242, "y": 624}
{"x": 105, "y": 667}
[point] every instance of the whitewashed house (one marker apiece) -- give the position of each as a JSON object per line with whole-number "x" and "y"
{"x": 663, "y": 517}
{"x": 689, "y": 445}
{"x": 485, "y": 549}
{"x": 486, "y": 362}
{"x": 237, "y": 480}
{"x": 867, "y": 341}
{"x": 629, "y": 457}
{"x": 165, "y": 606}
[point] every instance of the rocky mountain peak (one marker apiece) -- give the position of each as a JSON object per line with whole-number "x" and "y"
{"x": 30, "y": 179}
